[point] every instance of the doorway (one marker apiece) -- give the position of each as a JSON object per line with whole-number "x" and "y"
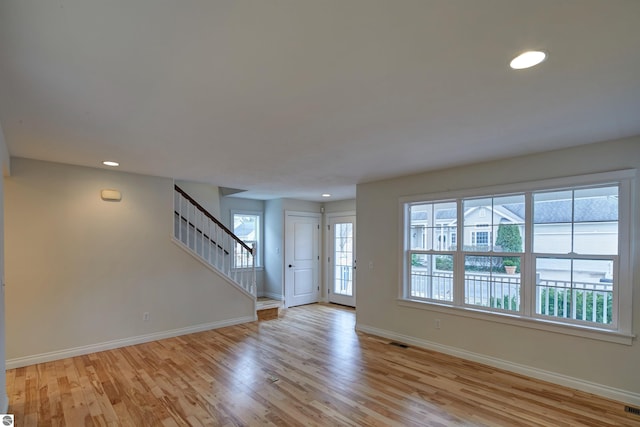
{"x": 342, "y": 259}
{"x": 302, "y": 258}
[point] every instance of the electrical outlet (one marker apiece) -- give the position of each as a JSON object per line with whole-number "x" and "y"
{"x": 437, "y": 323}
{"x": 145, "y": 316}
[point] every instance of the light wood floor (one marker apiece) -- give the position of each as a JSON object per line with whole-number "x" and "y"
{"x": 308, "y": 367}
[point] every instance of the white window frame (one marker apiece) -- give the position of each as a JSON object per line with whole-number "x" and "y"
{"x": 258, "y": 242}
{"x": 621, "y": 329}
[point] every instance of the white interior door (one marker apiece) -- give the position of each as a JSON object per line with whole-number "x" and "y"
{"x": 302, "y": 258}
{"x": 342, "y": 259}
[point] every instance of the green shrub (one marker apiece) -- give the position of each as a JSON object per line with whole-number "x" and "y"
{"x": 416, "y": 261}
{"x": 505, "y": 303}
{"x": 444, "y": 263}
{"x": 509, "y": 240}
{"x": 580, "y": 295}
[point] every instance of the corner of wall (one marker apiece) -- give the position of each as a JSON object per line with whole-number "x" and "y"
{"x": 5, "y": 158}
{"x": 6, "y": 169}
{"x": 4, "y": 403}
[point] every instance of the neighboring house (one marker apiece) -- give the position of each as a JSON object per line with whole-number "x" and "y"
{"x": 595, "y": 229}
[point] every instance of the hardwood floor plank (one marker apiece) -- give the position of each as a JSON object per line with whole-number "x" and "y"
{"x": 16, "y": 398}
{"x": 308, "y": 367}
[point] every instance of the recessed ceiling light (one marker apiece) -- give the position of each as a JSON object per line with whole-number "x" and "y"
{"x": 528, "y": 59}
{"x": 326, "y": 195}
{"x": 110, "y": 163}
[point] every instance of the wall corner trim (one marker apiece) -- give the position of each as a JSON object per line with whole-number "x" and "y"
{"x": 620, "y": 395}
{"x": 4, "y": 403}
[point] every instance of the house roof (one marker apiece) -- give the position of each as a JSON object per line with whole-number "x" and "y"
{"x": 296, "y": 98}
{"x": 586, "y": 210}
{"x": 593, "y": 209}
{"x": 243, "y": 229}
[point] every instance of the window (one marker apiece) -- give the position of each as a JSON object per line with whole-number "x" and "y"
{"x": 488, "y": 282}
{"x": 480, "y": 238}
{"x": 575, "y": 249}
{"x": 551, "y": 252}
{"x": 247, "y": 226}
{"x": 431, "y": 256}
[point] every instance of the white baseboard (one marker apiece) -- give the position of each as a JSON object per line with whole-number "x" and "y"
{"x": 620, "y": 395}
{"x": 272, "y": 295}
{"x": 110, "y": 345}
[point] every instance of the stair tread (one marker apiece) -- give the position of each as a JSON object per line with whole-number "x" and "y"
{"x": 264, "y": 304}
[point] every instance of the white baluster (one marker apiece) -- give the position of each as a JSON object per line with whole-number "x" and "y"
{"x": 188, "y": 218}
{"x": 219, "y": 244}
{"x": 179, "y": 210}
{"x": 201, "y": 233}
{"x": 546, "y": 303}
{"x": 210, "y": 246}
{"x": 254, "y": 285}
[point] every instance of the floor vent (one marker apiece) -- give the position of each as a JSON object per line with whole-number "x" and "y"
{"x": 398, "y": 344}
{"x": 632, "y": 410}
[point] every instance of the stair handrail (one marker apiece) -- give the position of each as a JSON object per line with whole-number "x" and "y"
{"x": 212, "y": 218}
{"x": 243, "y": 274}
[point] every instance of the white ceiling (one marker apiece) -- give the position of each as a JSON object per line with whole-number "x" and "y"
{"x": 293, "y": 98}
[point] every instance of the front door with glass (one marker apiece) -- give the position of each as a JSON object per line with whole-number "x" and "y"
{"x": 342, "y": 260}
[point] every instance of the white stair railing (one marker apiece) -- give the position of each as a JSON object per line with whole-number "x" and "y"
{"x": 212, "y": 242}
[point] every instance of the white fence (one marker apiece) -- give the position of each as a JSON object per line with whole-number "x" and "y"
{"x": 586, "y": 301}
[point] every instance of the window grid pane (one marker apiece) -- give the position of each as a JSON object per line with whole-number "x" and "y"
{"x": 432, "y": 277}
{"x": 583, "y": 221}
{"x": 432, "y": 225}
{"x": 494, "y": 224}
{"x": 492, "y": 282}
{"x": 576, "y": 289}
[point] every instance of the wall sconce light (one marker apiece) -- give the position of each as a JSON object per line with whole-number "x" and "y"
{"x": 111, "y": 195}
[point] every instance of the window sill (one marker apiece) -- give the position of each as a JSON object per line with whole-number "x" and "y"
{"x": 526, "y": 322}
{"x": 247, "y": 269}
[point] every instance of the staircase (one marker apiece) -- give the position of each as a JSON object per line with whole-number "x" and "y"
{"x": 206, "y": 238}
{"x": 267, "y": 308}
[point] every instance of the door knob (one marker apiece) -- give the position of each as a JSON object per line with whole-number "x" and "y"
{"x": 291, "y": 265}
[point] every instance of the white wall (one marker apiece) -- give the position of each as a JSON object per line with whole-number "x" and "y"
{"x": 206, "y": 195}
{"x": 273, "y": 249}
{"x": 378, "y": 241}
{"x": 81, "y": 271}
{"x": 229, "y": 204}
{"x": 340, "y": 206}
